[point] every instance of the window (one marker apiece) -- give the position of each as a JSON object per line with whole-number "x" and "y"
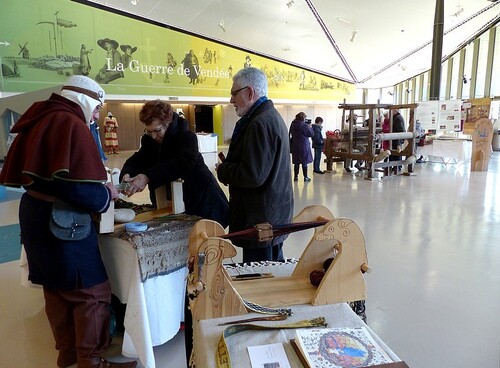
{"x": 469, "y": 51}
{"x": 444, "y": 78}
{"x": 495, "y": 77}
{"x": 481, "y": 64}
{"x": 425, "y": 87}
{"x": 455, "y": 77}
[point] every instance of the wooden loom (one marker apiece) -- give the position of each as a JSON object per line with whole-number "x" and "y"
{"x": 216, "y": 295}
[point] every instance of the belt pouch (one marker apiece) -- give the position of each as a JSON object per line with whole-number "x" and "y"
{"x": 68, "y": 222}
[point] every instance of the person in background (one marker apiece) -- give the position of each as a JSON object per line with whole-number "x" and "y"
{"x": 76, "y": 288}
{"x": 318, "y": 142}
{"x": 169, "y": 151}
{"x": 257, "y": 166}
{"x": 398, "y": 126}
{"x": 386, "y": 128}
{"x": 94, "y": 128}
{"x": 111, "y": 134}
{"x": 419, "y": 135}
{"x": 300, "y": 132}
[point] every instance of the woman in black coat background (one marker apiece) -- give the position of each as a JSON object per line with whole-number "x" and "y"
{"x": 300, "y": 132}
{"x": 169, "y": 151}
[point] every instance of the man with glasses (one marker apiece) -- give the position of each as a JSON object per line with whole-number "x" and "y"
{"x": 169, "y": 151}
{"x": 257, "y": 167}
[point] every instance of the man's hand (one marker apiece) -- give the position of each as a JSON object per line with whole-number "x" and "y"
{"x": 113, "y": 190}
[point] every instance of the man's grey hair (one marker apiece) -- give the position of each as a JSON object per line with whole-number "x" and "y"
{"x": 252, "y": 77}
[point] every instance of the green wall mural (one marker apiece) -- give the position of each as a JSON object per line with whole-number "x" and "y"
{"x": 44, "y": 41}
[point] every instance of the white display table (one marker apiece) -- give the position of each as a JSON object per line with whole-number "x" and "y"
{"x": 208, "y": 332}
{"x": 447, "y": 150}
{"x": 207, "y": 142}
{"x": 155, "y": 307}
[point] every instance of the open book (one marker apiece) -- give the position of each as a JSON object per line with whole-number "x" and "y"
{"x": 339, "y": 348}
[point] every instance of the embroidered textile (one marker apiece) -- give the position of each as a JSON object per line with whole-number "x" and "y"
{"x": 163, "y": 247}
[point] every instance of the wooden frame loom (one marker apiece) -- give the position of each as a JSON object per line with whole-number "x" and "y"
{"x": 214, "y": 294}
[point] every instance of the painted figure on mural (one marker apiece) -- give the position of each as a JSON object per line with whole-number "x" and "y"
{"x": 84, "y": 60}
{"x": 111, "y": 133}
{"x": 171, "y": 63}
{"x": 248, "y": 62}
{"x": 207, "y": 56}
{"x": 191, "y": 67}
{"x": 302, "y": 80}
{"x": 127, "y": 55}
{"x": 110, "y": 71}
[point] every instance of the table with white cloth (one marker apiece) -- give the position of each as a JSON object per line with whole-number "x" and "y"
{"x": 207, "y": 333}
{"x": 207, "y": 142}
{"x": 447, "y": 150}
{"x": 155, "y": 305}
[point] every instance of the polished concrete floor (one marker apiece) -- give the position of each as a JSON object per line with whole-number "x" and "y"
{"x": 433, "y": 243}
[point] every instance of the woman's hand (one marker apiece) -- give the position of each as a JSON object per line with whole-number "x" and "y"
{"x": 135, "y": 184}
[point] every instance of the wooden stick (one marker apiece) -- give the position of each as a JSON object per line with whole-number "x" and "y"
{"x": 279, "y": 317}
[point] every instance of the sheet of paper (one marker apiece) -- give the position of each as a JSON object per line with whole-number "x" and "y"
{"x": 268, "y": 356}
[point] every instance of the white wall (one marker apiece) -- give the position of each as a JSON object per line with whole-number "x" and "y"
{"x": 331, "y": 114}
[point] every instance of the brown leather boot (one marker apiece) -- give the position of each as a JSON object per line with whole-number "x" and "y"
{"x": 105, "y": 364}
{"x": 97, "y": 362}
{"x": 66, "y": 358}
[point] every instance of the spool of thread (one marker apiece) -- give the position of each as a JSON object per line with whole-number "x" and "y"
{"x": 135, "y": 227}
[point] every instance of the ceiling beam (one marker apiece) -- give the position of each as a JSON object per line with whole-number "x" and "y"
{"x": 331, "y": 40}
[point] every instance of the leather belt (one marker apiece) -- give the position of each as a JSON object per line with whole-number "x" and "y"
{"x": 41, "y": 196}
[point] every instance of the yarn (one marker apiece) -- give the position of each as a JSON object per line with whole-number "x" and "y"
{"x": 317, "y": 275}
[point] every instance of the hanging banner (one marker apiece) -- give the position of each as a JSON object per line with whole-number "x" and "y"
{"x": 474, "y": 110}
{"x": 44, "y": 42}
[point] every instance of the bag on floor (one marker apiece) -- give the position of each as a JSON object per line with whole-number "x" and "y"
{"x": 69, "y": 223}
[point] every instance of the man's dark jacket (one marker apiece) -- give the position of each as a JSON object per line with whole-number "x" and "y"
{"x": 258, "y": 171}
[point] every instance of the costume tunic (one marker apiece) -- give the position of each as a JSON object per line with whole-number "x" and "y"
{"x": 300, "y": 133}
{"x": 257, "y": 170}
{"x": 178, "y": 157}
{"x": 110, "y": 132}
{"x": 70, "y": 170}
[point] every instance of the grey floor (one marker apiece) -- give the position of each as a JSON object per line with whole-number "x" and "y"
{"x": 432, "y": 242}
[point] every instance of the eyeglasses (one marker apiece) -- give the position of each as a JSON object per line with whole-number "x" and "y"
{"x": 154, "y": 131}
{"x": 234, "y": 93}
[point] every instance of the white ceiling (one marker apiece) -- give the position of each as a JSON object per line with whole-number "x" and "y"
{"x": 375, "y": 43}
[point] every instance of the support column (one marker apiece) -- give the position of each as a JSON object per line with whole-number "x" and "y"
{"x": 437, "y": 50}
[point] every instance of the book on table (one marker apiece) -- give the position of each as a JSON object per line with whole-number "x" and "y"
{"x": 339, "y": 348}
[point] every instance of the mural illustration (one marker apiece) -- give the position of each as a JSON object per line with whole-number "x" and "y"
{"x": 132, "y": 57}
